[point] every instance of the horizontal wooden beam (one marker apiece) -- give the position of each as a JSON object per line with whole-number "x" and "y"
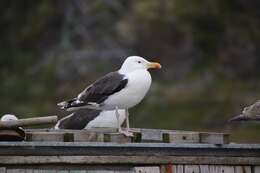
{"x": 140, "y": 135}
{"x": 128, "y": 149}
{"x": 129, "y": 160}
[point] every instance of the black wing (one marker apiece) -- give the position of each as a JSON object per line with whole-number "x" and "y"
{"x": 104, "y": 87}
{"x": 77, "y": 120}
{"x": 98, "y": 92}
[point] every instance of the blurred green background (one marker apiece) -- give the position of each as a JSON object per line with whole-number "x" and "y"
{"x": 50, "y": 50}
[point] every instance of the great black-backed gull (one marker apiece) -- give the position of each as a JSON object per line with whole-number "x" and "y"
{"x": 250, "y": 113}
{"x": 91, "y": 118}
{"x": 122, "y": 89}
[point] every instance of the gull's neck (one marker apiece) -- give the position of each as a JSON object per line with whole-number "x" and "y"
{"x": 127, "y": 71}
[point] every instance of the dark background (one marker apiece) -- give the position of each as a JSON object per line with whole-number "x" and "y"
{"x": 50, "y": 50}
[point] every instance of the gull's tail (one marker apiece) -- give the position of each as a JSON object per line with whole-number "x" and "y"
{"x": 240, "y": 117}
{"x": 67, "y": 104}
{"x": 243, "y": 117}
{"x": 75, "y": 104}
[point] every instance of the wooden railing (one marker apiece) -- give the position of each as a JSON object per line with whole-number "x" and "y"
{"x": 150, "y": 151}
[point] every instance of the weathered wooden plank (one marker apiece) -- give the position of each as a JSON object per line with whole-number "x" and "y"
{"x": 181, "y": 137}
{"x": 191, "y": 169}
{"x": 128, "y": 149}
{"x": 108, "y": 171}
{"x": 204, "y": 168}
{"x": 117, "y": 137}
{"x": 215, "y": 169}
{"x": 221, "y": 169}
{"x": 62, "y": 171}
{"x": 247, "y": 169}
{"x": 129, "y": 160}
{"x": 2, "y": 170}
{"x": 45, "y": 136}
{"x": 227, "y": 169}
{"x": 151, "y": 135}
{"x": 28, "y": 171}
{"x": 179, "y": 169}
{"x": 152, "y": 169}
{"x": 12, "y": 134}
{"x": 256, "y": 169}
{"x": 44, "y": 171}
{"x": 101, "y": 171}
{"x": 238, "y": 169}
{"x": 15, "y": 171}
{"x": 205, "y": 137}
{"x": 79, "y": 171}
{"x": 96, "y": 135}
{"x": 243, "y": 169}
{"x": 167, "y": 168}
{"x": 214, "y": 138}
{"x": 102, "y": 130}
{"x": 85, "y": 136}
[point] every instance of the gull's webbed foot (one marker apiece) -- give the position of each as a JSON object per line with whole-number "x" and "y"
{"x": 126, "y": 133}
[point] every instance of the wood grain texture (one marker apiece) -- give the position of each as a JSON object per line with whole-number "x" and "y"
{"x": 243, "y": 169}
{"x": 215, "y": 169}
{"x": 15, "y": 171}
{"x": 16, "y": 134}
{"x": 152, "y": 169}
{"x": 227, "y": 169}
{"x": 181, "y": 137}
{"x": 204, "y": 168}
{"x": 79, "y": 171}
{"x": 45, "y": 136}
{"x": 167, "y": 168}
{"x": 44, "y": 171}
{"x": 147, "y": 135}
{"x": 151, "y": 135}
{"x": 2, "y": 170}
{"x": 128, "y": 160}
{"x": 53, "y": 148}
{"x": 62, "y": 171}
{"x": 191, "y": 169}
{"x": 179, "y": 169}
{"x": 256, "y": 169}
{"x": 85, "y": 136}
{"x": 214, "y": 138}
{"x": 28, "y": 171}
{"x": 117, "y": 137}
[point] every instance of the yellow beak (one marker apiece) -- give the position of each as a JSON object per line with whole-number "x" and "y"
{"x": 155, "y": 65}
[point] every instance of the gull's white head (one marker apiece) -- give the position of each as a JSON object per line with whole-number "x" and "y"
{"x": 8, "y": 117}
{"x": 133, "y": 63}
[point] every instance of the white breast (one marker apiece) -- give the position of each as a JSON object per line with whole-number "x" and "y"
{"x": 107, "y": 119}
{"x": 139, "y": 82}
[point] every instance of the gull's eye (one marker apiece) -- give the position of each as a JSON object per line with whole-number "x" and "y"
{"x": 139, "y": 62}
